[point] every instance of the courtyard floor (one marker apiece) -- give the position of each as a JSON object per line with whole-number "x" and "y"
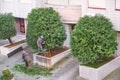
{"x": 59, "y": 72}
{"x": 69, "y": 66}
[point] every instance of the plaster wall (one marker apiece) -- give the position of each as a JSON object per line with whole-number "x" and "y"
{"x": 109, "y": 12}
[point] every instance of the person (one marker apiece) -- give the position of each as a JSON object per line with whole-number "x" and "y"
{"x": 40, "y": 43}
{"x": 27, "y": 58}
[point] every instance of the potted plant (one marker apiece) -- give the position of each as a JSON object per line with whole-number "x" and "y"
{"x": 6, "y": 74}
{"x": 92, "y": 41}
{"x": 45, "y": 22}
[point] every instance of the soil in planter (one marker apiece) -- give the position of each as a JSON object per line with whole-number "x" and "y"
{"x": 54, "y": 51}
{"x": 14, "y": 44}
{"x": 100, "y": 63}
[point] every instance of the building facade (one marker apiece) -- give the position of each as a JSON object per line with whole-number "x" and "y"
{"x": 20, "y": 10}
{"x": 109, "y": 8}
{"x": 69, "y": 10}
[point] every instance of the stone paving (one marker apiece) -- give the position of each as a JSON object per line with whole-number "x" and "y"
{"x": 10, "y": 62}
{"x": 115, "y": 75}
{"x": 67, "y": 67}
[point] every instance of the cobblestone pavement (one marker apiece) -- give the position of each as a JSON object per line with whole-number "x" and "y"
{"x": 10, "y": 62}
{"x": 115, "y": 75}
{"x": 59, "y": 73}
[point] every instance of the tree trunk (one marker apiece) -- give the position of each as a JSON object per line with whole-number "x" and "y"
{"x": 10, "y": 41}
{"x": 49, "y": 53}
{"x": 49, "y": 62}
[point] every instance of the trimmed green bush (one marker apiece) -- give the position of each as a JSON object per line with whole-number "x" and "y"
{"x": 7, "y": 26}
{"x": 46, "y": 22}
{"x": 6, "y": 74}
{"x": 93, "y": 39}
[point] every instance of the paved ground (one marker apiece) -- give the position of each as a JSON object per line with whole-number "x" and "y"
{"x": 70, "y": 66}
{"x": 66, "y": 68}
{"x": 115, "y": 75}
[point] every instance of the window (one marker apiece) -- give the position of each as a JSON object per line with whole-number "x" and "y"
{"x": 97, "y": 4}
{"x": 74, "y": 2}
{"x": 64, "y": 2}
{"x": 8, "y": 0}
{"x": 58, "y": 2}
{"x": 20, "y": 25}
{"x": 25, "y": 1}
{"x": 117, "y": 5}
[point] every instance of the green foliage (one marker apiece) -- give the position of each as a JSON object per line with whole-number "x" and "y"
{"x": 7, "y": 26}
{"x": 93, "y": 39}
{"x": 33, "y": 70}
{"x": 46, "y": 22}
{"x": 6, "y": 74}
{"x": 100, "y": 63}
{"x": 32, "y": 51}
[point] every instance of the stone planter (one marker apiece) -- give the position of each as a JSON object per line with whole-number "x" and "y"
{"x": 9, "y": 51}
{"x": 49, "y": 62}
{"x": 13, "y": 78}
{"x": 101, "y": 72}
{"x": 10, "y": 79}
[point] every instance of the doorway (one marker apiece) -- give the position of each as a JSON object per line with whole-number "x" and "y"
{"x": 20, "y": 25}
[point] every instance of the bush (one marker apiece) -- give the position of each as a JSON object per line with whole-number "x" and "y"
{"x": 33, "y": 70}
{"x": 6, "y": 74}
{"x": 46, "y": 22}
{"x": 7, "y": 26}
{"x": 93, "y": 39}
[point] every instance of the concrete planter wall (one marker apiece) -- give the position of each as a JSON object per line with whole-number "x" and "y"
{"x": 11, "y": 51}
{"x": 101, "y": 72}
{"x": 12, "y": 78}
{"x": 49, "y": 62}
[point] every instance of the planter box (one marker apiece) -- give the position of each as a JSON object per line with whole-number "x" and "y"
{"x": 13, "y": 78}
{"x": 9, "y": 51}
{"x": 101, "y": 72}
{"x": 49, "y": 62}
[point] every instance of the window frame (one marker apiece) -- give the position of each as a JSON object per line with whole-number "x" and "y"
{"x": 78, "y": 3}
{"x": 116, "y": 9}
{"x": 8, "y": 0}
{"x": 57, "y": 2}
{"x": 26, "y": 2}
{"x": 93, "y": 7}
